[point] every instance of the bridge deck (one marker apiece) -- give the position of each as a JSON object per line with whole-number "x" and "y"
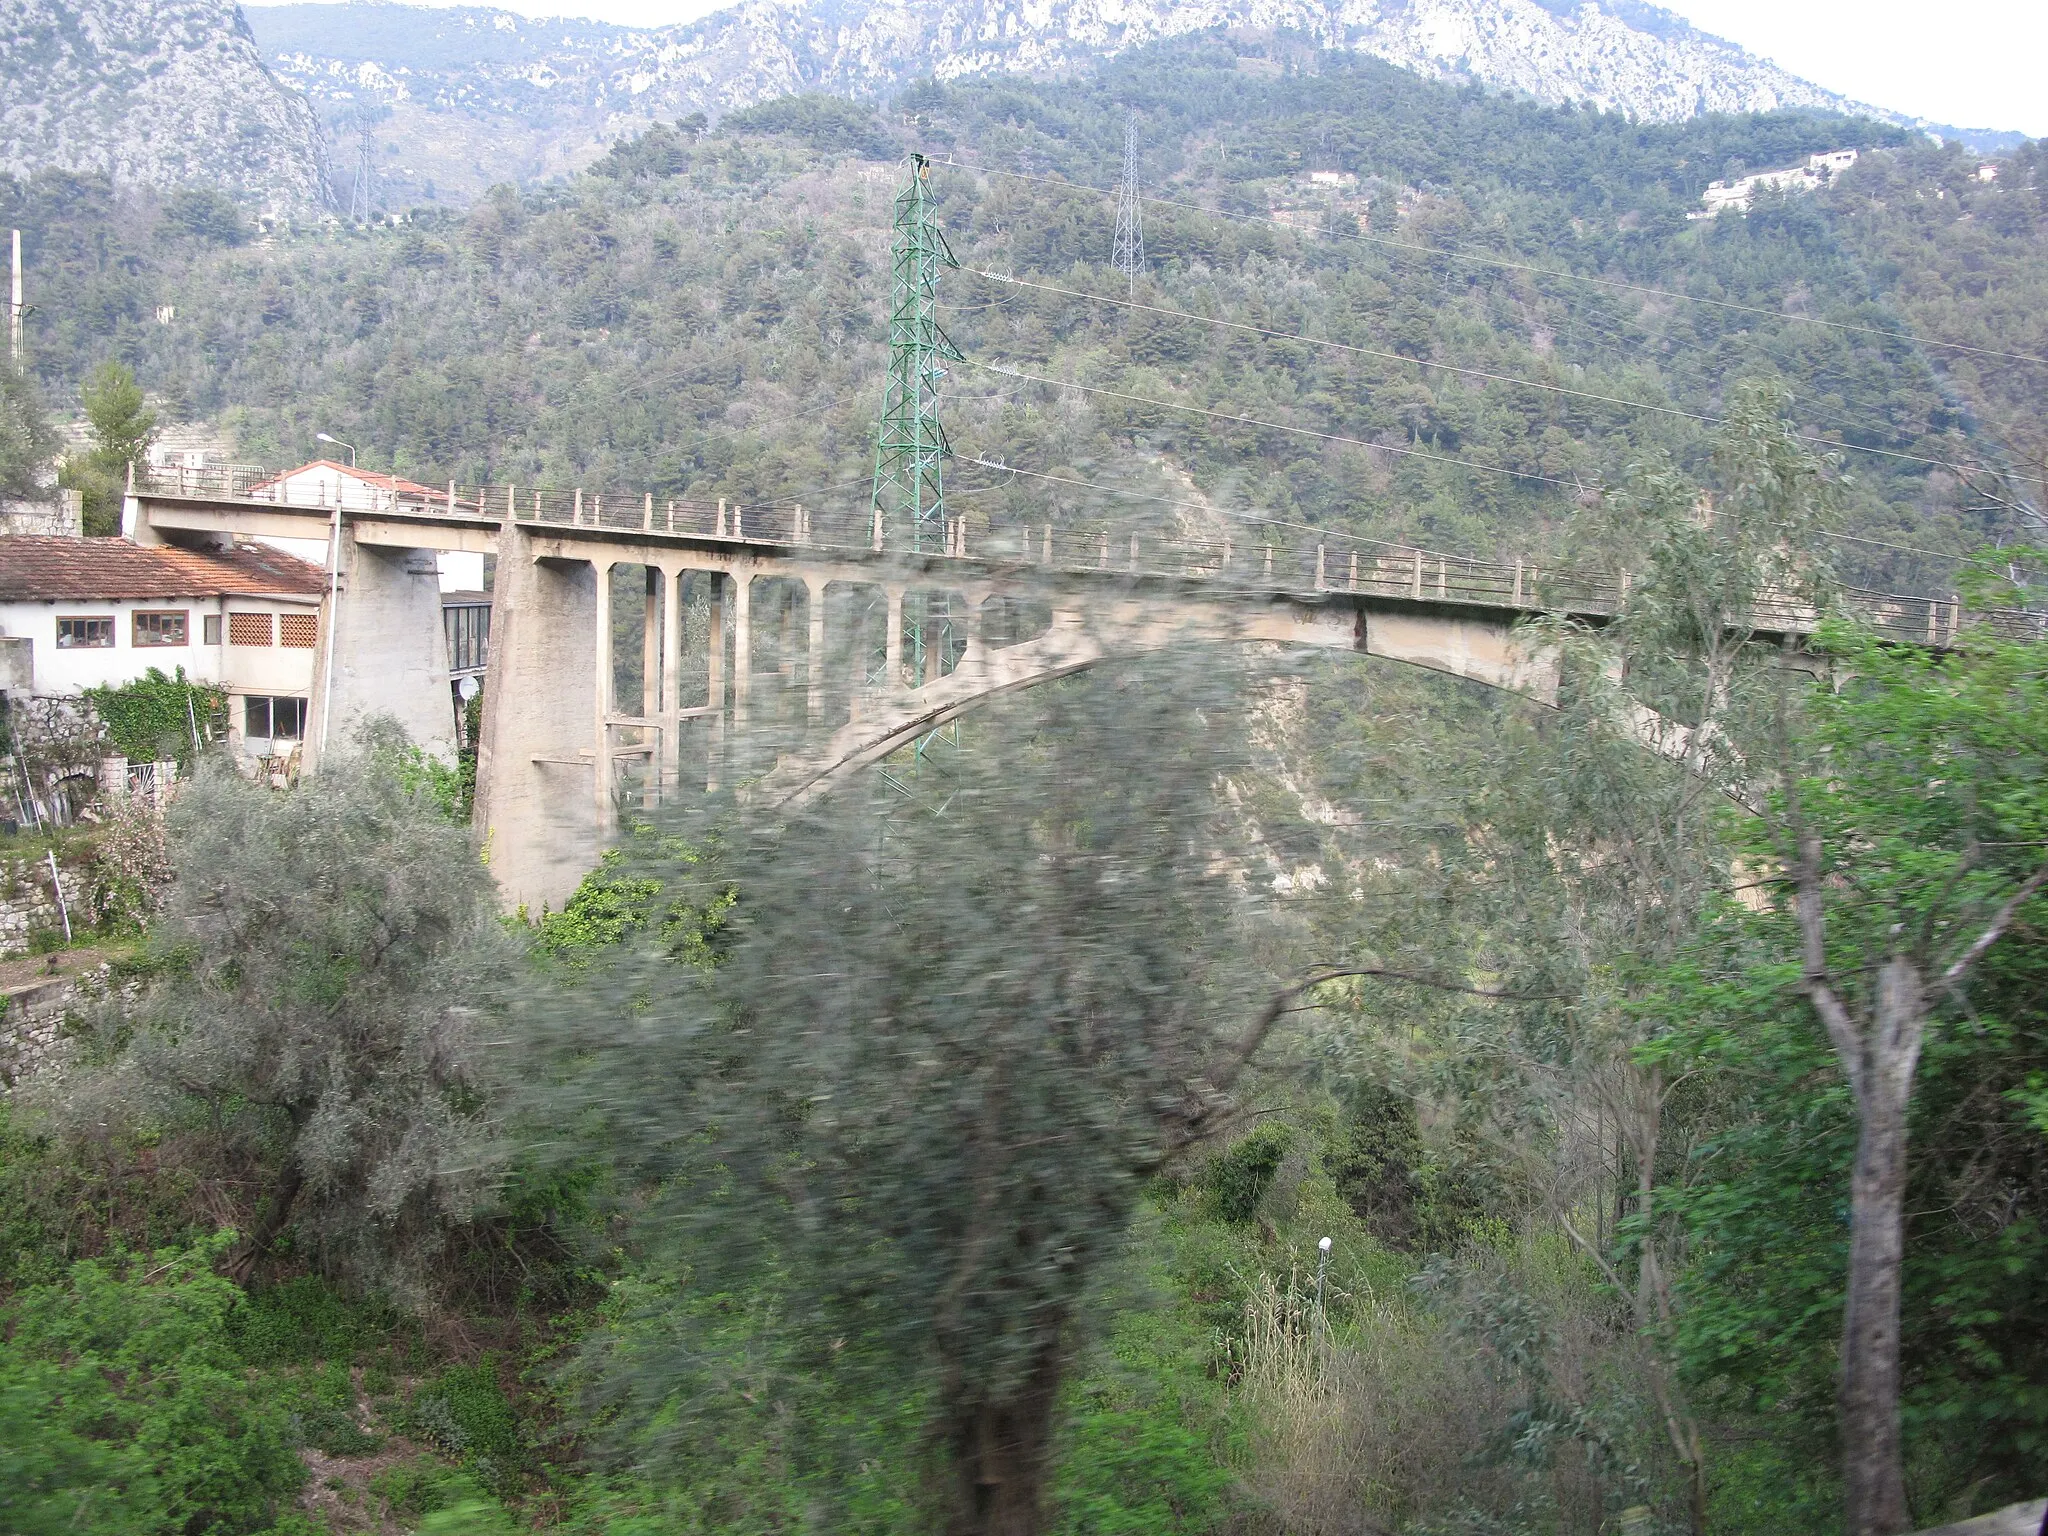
{"x": 1271, "y": 559}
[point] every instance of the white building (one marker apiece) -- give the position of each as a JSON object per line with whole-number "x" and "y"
{"x": 324, "y": 483}
{"x": 83, "y": 613}
{"x": 1736, "y": 196}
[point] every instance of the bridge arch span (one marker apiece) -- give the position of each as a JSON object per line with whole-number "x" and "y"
{"x": 1485, "y": 650}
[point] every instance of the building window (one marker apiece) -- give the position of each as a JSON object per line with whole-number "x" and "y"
{"x": 298, "y": 630}
{"x": 469, "y": 635}
{"x": 160, "y": 629}
{"x": 275, "y": 718}
{"x": 249, "y": 629}
{"x": 85, "y": 634}
{"x": 209, "y": 629}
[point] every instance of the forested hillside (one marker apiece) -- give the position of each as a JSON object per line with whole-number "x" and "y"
{"x": 1222, "y": 1093}
{"x": 702, "y": 315}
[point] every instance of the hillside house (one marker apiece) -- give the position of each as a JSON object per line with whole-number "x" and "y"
{"x": 325, "y": 483}
{"x": 83, "y": 613}
{"x": 1737, "y": 196}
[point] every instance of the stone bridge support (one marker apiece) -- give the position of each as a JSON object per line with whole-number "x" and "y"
{"x": 384, "y": 652}
{"x": 540, "y": 781}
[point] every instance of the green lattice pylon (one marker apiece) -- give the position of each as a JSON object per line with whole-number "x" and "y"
{"x": 910, "y": 445}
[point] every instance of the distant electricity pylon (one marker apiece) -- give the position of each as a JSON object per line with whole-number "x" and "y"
{"x": 1129, "y": 255}
{"x": 910, "y": 445}
{"x": 359, "y": 194}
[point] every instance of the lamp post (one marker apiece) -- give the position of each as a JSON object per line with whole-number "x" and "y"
{"x": 333, "y": 594}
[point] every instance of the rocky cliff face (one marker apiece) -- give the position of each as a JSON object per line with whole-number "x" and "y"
{"x": 159, "y": 93}
{"x": 1629, "y": 57}
{"x": 476, "y": 95}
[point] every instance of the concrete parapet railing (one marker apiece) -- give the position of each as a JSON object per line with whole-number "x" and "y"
{"x": 1268, "y": 557}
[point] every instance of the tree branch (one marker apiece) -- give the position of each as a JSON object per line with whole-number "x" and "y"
{"x": 1813, "y": 973}
{"x": 1995, "y": 929}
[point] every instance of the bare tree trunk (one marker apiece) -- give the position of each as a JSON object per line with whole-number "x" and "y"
{"x": 277, "y": 1211}
{"x": 1640, "y": 1113}
{"x": 1002, "y": 1450}
{"x": 1873, "y": 1456}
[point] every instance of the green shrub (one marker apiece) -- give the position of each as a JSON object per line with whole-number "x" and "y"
{"x": 1238, "y": 1179}
{"x": 304, "y": 1320}
{"x": 125, "y": 1409}
{"x": 420, "y": 1487}
{"x": 466, "y": 1413}
{"x": 325, "y": 1414}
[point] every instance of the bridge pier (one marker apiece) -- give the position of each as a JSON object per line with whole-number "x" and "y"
{"x": 541, "y": 779}
{"x": 383, "y": 650}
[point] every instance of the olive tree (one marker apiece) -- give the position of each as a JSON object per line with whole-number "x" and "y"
{"x": 308, "y": 1008}
{"x": 914, "y": 1056}
{"x": 1912, "y": 824}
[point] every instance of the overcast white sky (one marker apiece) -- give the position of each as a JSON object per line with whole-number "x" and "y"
{"x": 1970, "y": 63}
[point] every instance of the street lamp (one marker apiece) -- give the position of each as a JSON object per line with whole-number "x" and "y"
{"x": 333, "y": 604}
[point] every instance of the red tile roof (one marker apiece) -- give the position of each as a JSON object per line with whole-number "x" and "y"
{"x": 396, "y": 483}
{"x": 112, "y": 569}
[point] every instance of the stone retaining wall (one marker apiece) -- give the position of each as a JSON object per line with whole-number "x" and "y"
{"x": 32, "y": 1027}
{"x": 28, "y": 905}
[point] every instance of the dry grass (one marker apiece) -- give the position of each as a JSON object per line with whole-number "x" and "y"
{"x": 1393, "y": 1419}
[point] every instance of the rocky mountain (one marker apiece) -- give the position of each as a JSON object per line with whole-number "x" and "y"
{"x": 157, "y": 93}
{"x": 477, "y": 95}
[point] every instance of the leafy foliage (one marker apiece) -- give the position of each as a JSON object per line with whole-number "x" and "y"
{"x": 159, "y": 718}
{"x": 125, "y": 1409}
{"x": 26, "y": 441}
{"x": 319, "y": 963}
{"x": 1925, "y": 787}
{"x": 925, "y": 1163}
{"x": 827, "y": 124}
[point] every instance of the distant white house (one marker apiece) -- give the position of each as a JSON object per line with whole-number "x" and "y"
{"x": 1737, "y": 196}
{"x": 82, "y": 613}
{"x": 324, "y": 483}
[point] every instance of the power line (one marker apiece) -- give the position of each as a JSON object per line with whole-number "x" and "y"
{"x": 1506, "y": 265}
{"x": 1477, "y": 373}
{"x": 1238, "y": 419}
{"x": 1264, "y": 521}
{"x": 1255, "y": 518}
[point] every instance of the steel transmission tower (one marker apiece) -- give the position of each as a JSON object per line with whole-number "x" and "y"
{"x": 359, "y": 194}
{"x": 910, "y": 445}
{"x": 1129, "y": 256}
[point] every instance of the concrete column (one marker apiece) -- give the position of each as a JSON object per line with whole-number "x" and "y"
{"x": 602, "y": 676}
{"x": 742, "y": 646}
{"x": 669, "y": 770}
{"x": 650, "y": 646}
{"x": 534, "y": 765}
{"x": 382, "y": 649}
{"x": 892, "y": 644}
{"x": 715, "y": 677}
{"x": 815, "y": 678}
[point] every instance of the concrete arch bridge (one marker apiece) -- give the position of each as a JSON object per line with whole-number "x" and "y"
{"x": 824, "y": 638}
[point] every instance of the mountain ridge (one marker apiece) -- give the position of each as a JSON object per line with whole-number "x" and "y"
{"x": 155, "y": 93}
{"x": 551, "y": 95}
